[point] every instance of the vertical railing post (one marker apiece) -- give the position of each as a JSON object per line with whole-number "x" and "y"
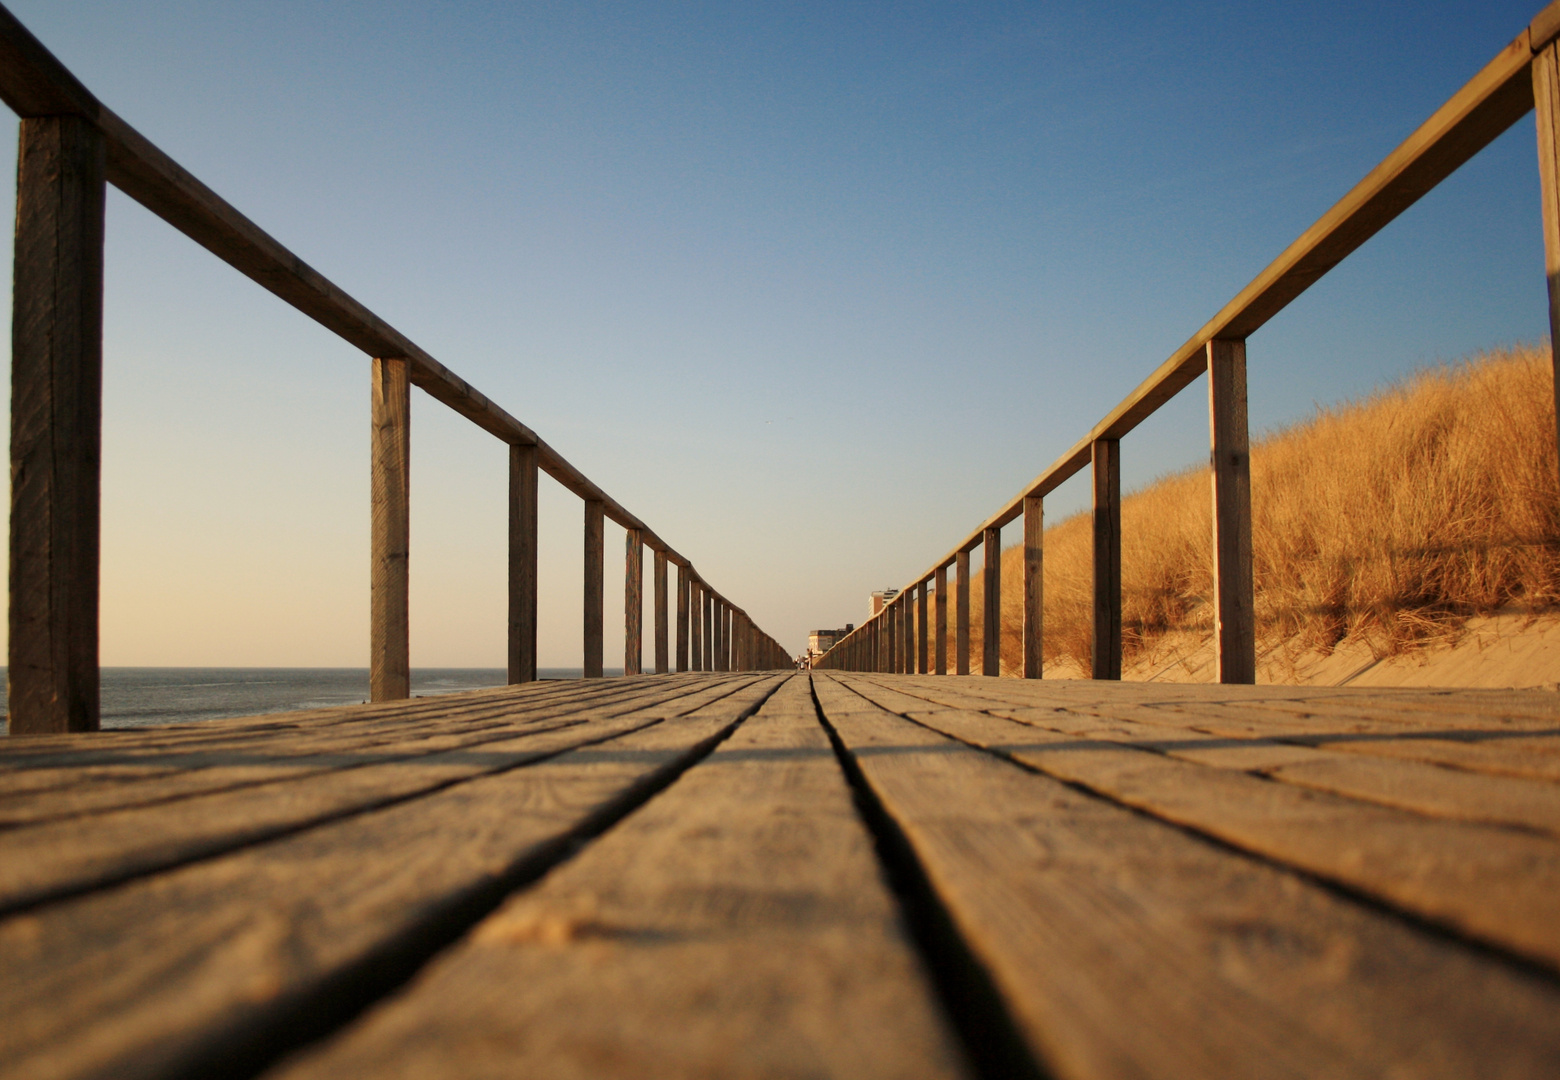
{"x": 663, "y": 660}
{"x": 941, "y": 617}
{"x": 1546, "y": 115}
{"x": 633, "y": 602}
{"x": 522, "y": 563}
{"x": 961, "y": 613}
{"x": 922, "y": 643}
{"x": 56, "y": 426}
{"x": 907, "y": 632}
{"x": 722, "y": 637}
{"x": 1034, "y": 584}
{"x": 1106, "y": 460}
{"x": 707, "y": 613}
{"x": 595, "y": 584}
{"x": 991, "y": 613}
{"x": 389, "y": 664}
{"x": 695, "y": 623}
{"x": 1234, "y": 616}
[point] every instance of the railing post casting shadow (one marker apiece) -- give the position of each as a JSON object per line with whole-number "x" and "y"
{"x": 1546, "y": 115}
{"x": 1235, "y": 641}
{"x": 961, "y": 605}
{"x": 56, "y": 427}
{"x": 991, "y": 613}
{"x": 1106, "y": 462}
{"x": 1034, "y": 585}
{"x": 523, "y": 462}
{"x": 389, "y": 664}
{"x": 595, "y": 584}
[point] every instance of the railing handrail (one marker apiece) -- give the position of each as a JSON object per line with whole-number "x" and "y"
{"x": 1499, "y": 95}
{"x": 37, "y": 87}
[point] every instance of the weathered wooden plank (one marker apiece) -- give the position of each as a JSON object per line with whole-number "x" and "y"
{"x": 1107, "y": 559}
{"x": 633, "y": 604}
{"x": 595, "y": 583}
{"x": 75, "y": 854}
{"x": 1125, "y": 947}
{"x": 202, "y": 970}
{"x": 1435, "y": 870}
{"x": 1034, "y": 586}
{"x": 662, "y": 660}
{"x": 94, "y": 778}
{"x": 1234, "y": 613}
{"x": 522, "y": 563}
{"x": 389, "y": 663}
{"x": 670, "y": 947}
{"x": 683, "y": 587}
{"x": 961, "y": 648}
{"x": 1428, "y": 789}
{"x": 56, "y": 427}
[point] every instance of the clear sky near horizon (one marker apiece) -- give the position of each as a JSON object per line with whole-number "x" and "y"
{"x": 811, "y": 288}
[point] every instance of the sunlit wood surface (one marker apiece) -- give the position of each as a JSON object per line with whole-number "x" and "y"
{"x": 792, "y": 875}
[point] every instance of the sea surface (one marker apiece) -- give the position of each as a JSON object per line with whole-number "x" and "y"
{"x": 136, "y": 697}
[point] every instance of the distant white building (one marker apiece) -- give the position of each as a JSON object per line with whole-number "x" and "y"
{"x": 821, "y": 641}
{"x": 880, "y": 601}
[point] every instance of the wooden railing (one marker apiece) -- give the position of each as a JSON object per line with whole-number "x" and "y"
{"x": 1524, "y": 76}
{"x": 71, "y": 147}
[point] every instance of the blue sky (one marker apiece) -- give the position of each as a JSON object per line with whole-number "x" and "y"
{"x": 811, "y": 288}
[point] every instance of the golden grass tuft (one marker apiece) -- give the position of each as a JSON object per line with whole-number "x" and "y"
{"x": 1391, "y": 520}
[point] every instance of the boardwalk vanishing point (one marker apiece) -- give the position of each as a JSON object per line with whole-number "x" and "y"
{"x": 884, "y": 867}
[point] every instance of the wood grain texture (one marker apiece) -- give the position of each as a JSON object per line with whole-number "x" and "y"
{"x": 1434, "y": 870}
{"x": 962, "y": 613}
{"x": 1107, "y": 559}
{"x": 1034, "y": 587}
{"x": 662, "y": 660}
{"x": 250, "y": 797}
{"x": 1126, "y": 947}
{"x": 1234, "y": 612}
{"x": 389, "y": 663}
{"x": 595, "y": 583}
{"x": 56, "y": 427}
{"x": 633, "y": 603}
{"x": 192, "y": 970}
{"x": 940, "y": 621}
{"x": 683, "y": 587}
{"x": 522, "y": 563}
{"x": 1546, "y": 115}
{"x": 671, "y": 947}
{"x": 922, "y": 645}
{"x": 991, "y": 612}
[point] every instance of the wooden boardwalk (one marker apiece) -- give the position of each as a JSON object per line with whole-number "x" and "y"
{"x": 783, "y": 875}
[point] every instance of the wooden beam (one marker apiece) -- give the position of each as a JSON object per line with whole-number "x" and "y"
{"x": 1496, "y": 97}
{"x": 56, "y": 427}
{"x": 682, "y": 619}
{"x": 696, "y": 626}
{"x": 1235, "y": 629}
{"x": 991, "y": 579}
{"x": 941, "y": 622}
{"x": 921, "y": 629}
{"x": 595, "y": 584}
{"x": 709, "y": 631}
{"x": 961, "y": 615}
{"x": 633, "y": 603}
{"x": 1107, "y": 559}
{"x": 522, "y": 563}
{"x": 662, "y": 660}
{"x": 1034, "y": 585}
{"x": 1546, "y": 93}
{"x": 390, "y": 675}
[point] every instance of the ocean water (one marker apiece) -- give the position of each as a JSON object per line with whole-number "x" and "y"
{"x": 136, "y": 697}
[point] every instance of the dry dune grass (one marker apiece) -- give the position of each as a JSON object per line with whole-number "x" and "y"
{"x": 1389, "y": 521}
